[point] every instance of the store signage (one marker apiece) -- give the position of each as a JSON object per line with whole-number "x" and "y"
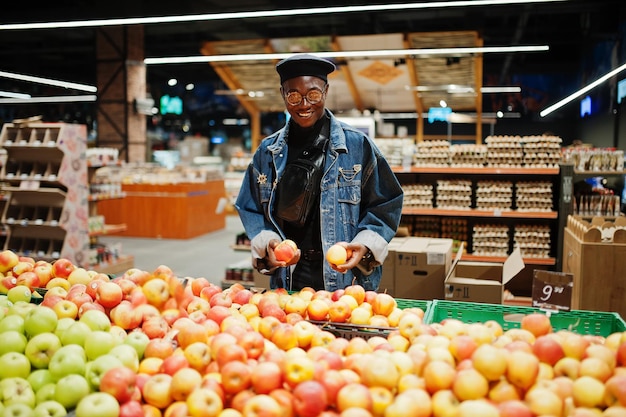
{"x": 439, "y": 114}
{"x": 552, "y": 290}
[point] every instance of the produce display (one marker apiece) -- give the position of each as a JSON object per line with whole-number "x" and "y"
{"x": 153, "y": 344}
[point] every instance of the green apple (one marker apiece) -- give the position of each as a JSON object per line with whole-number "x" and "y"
{"x": 99, "y": 343}
{"x": 69, "y": 359}
{"x": 46, "y": 392}
{"x": 98, "y": 404}
{"x": 63, "y": 324}
{"x": 12, "y": 341}
{"x": 49, "y": 409}
{"x": 39, "y": 320}
{"x": 98, "y": 367}
{"x": 38, "y": 378}
{"x": 127, "y": 354}
{"x": 21, "y": 308}
{"x": 18, "y": 410}
{"x": 4, "y": 300}
{"x": 138, "y": 340}
{"x": 19, "y": 293}
{"x": 96, "y": 320}
{"x": 70, "y": 390}
{"x": 17, "y": 390}
{"x": 75, "y": 334}
{"x": 14, "y": 364}
{"x": 12, "y": 322}
{"x": 40, "y": 349}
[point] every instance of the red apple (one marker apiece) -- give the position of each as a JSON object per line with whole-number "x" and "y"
{"x": 120, "y": 382}
{"x": 63, "y": 267}
{"x": 236, "y": 376}
{"x": 309, "y": 399}
{"x": 548, "y": 349}
{"x": 109, "y": 294}
{"x": 536, "y": 323}
{"x": 285, "y": 250}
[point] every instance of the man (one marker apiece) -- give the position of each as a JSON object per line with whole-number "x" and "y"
{"x": 357, "y": 201}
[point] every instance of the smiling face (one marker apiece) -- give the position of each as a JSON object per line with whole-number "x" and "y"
{"x": 305, "y": 114}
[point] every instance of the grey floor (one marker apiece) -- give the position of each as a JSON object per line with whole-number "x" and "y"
{"x": 205, "y": 256}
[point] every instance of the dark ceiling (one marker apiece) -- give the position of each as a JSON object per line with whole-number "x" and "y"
{"x": 571, "y": 28}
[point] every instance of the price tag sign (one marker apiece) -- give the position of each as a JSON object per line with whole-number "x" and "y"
{"x": 552, "y": 290}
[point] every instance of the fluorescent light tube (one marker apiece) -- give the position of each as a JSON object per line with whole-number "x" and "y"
{"x": 50, "y": 99}
{"x": 49, "y": 81}
{"x": 265, "y": 13}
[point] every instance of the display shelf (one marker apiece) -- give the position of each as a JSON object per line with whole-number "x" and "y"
{"x": 45, "y": 183}
{"x": 476, "y": 170}
{"x": 587, "y": 174}
{"x": 527, "y": 261}
{"x": 102, "y": 196}
{"x": 481, "y": 213}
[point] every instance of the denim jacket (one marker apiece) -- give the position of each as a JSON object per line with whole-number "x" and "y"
{"x": 360, "y": 201}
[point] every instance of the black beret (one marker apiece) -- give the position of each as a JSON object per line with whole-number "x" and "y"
{"x": 304, "y": 64}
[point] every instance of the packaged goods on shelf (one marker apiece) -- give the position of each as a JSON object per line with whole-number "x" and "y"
{"x": 468, "y": 155}
{"x": 493, "y": 195}
{"x": 504, "y": 151}
{"x": 418, "y": 195}
{"x": 454, "y": 194}
{"x": 102, "y": 156}
{"x": 541, "y": 151}
{"x": 596, "y": 205}
{"x": 396, "y": 150}
{"x": 533, "y": 196}
{"x": 533, "y": 240}
{"x": 490, "y": 240}
{"x": 432, "y": 153}
{"x": 587, "y": 159}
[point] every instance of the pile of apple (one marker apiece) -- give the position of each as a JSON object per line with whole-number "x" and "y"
{"x": 150, "y": 344}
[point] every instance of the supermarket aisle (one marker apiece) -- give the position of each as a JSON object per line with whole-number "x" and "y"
{"x": 205, "y": 256}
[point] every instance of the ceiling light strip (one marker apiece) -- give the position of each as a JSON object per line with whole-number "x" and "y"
{"x": 50, "y": 99}
{"x": 49, "y": 81}
{"x": 10, "y": 94}
{"x": 582, "y": 91}
{"x": 348, "y": 54}
{"x": 265, "y": 13}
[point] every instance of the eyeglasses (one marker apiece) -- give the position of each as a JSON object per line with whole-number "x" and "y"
{"x": 313, "y": 96}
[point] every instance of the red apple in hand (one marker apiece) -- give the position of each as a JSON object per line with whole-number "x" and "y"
{"x": 285, "y": 250}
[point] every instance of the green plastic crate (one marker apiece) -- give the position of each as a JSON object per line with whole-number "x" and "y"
{"x": 579, "y": 321}
{"x": 407, "y": 303}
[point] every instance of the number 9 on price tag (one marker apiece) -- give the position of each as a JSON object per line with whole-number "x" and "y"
{"x": 552, "y": 290}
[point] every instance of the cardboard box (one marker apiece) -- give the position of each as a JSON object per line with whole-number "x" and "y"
{"x": 420, "y": 268}
{"x": 388, "y": 279}
{"x": 481, "y": 282}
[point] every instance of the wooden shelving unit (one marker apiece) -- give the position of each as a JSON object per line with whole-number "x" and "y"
{"x": 45, "y": 194}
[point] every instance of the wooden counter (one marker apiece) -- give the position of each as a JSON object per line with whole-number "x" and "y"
{"x": 168, "y": 211}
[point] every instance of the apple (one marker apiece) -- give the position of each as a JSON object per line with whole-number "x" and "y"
{"x": 514, "y": 408}
{"x": 588, "y": 392}
{"x": 49, "y": 409}
{"x": 12, "y": 341}
{"x": 266, "y": 377}
{"x": 469, "y": 384}
{"x": 8, "y": 259}
{"x": 383, "y": 304}
{"x": 490, "y": 361}
{"x": 204, "y": 402}
{"x": 14, "y": 365}
{"x": 22, "y": 267}
{"x": 537, "y": 323}
{"x": 44, "y": 272}
{"x": 99, "y": 343}
{"x": 96, "y": 319}
{"x": 285, "y": 250}
{"x": 20, "y": 308}
{"x": 616, "y": 390}
{"x": 236, "y": 376}
{"x": 253, "y": 343}
{"x": 70, "y": 390}
{"x": 380, "y": 371}
{"x": 40, "y": 320}
{"x": 131, "y": 408}
{"x": 17, "y": 390}
{"x": 309, "y": 399}
{"x": 78, "y": 275}
{"x": 184, "y": 381}
{"x": 109, "y": 294}
{"x": 477, "y": 408}
{"x": 127, "y": 355}
{"x": 98, "y": 367}
{"x": 65, "y": 308}
{"x": 69, "y": 359}
{"x": 262, "y": 405}
{"x": 62, "y": 268}
{"x": 157, "y": 292}
{"x": 39, "y": 377}
{"x": 339, "y": 311}
{"x": 522, "y": 368}
{"x": 98, "y": 404}
{"x": 41, "y": 348}
{"x": 173, "y": 363}
{"x": 444, "y": 404}
{"x": 595, "y": 367}
{"x": 157, "y": 390}
{"x": 337, "y": 254}
{"x": 120, "y": 382}
{"x": 29, "y": 279}
{"x": 438, "y": 375}
{"x": 543, "y": 401}
{"x": 198, "y": 355}
{"x": 138, "y": 340}
{"x": 19, "y": 293}
{"x": 354, "y": 394}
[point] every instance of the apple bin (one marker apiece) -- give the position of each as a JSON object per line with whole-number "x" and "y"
{"x": 150, "y": 344}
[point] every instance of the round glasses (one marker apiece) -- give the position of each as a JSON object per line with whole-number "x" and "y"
{"x": 314, "y": 96}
